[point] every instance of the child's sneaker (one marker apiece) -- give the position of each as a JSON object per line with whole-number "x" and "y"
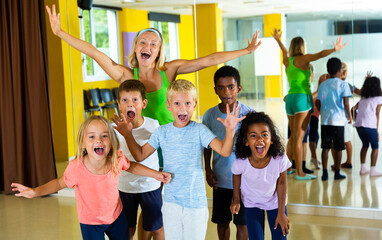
{"x": 315, "y": 163}
{"x": 324, "y": 176}
{"x": 346, "y": 165}
{"x": 364, "y": 171}
{"x": 338, "y": 176}
{"x": 374, "y": 173}
{"x": 306, "y": 170}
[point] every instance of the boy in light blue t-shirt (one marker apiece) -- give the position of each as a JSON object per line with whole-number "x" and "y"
{"x": 185, "y": 211}
{"x": 227, "y": 86}
{"x": 333, "y": 104}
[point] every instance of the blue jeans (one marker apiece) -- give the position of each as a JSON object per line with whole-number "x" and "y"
{"x": 255, "y": 223}
{"x": 116, "y": 231}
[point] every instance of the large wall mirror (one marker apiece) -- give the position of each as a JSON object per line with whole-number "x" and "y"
{"x": 360, "y": 25}
{"x": 319, "y": 23}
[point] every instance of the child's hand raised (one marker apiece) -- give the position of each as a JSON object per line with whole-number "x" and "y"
{"x": 232, "y": 119}
{"x": 23, "y": 191}
{"x": 283, "y": 220}
{"x": 123, "y": 126}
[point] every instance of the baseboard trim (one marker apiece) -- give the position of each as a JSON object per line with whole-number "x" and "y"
{"x": 302, "y": 209}
{"x": 330, "y": 211}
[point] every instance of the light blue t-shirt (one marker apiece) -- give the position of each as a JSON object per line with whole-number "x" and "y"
{"x": 182, "y": 150}
{"x": 331, "y": 93}
{"x": 222, "y": 165}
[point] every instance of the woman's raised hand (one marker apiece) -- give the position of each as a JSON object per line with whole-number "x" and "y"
{"x": 54, "y": 19}
{"x": 338, "y": 45}
{"x": 255, "y": 43}
{"x": 276, "y": 35}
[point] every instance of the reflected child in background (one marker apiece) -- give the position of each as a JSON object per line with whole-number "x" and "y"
{"x": 366, "y": 114}
{"x": 313, "y": 125}
{"x": 348, "y": 127}
{"x": 259, "y": 174}
{"x": 333, "y": 104}
{"x": 94, "y": 175}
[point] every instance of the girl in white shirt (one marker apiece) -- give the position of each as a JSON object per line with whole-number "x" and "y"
{"x": 366, "y": 113}
{"x": 259, "y": 173}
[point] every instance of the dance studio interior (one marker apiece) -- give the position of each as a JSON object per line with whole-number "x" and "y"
{"x": 47, "y": 91}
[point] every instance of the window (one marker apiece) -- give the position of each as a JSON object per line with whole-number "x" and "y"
{"x": 169, "y": 31}
{"x": 100, "y": 28}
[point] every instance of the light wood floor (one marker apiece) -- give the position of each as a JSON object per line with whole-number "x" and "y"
{"x": 56, "y": 218}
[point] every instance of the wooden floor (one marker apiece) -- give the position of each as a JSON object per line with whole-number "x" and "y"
{"x": 56, "y": 218}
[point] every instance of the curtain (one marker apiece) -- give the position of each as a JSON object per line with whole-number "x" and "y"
{"x": 25, "y": 126}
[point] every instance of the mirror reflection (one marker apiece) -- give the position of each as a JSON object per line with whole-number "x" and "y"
{"x": 360, "y": 29}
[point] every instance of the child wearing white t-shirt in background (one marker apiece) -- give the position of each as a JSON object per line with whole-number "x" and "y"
{"x": 259, "y": 174}
{"x": 366, "y": 122}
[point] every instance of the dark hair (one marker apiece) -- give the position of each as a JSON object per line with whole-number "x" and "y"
{"x": 371, "y": 87}
{"x": 334, "y": 65}
{"x": 227, "y": 71}
{"x": 242, "y": 151}
{"x": 132, "y": 85}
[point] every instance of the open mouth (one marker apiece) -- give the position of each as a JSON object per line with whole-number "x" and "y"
{"x": 182, "y": 117}
{"x": 260, "y": 149}
{"x": 145, "y": 55}
{"x": 99, "y": 150}
{"x": 130, "y": 115}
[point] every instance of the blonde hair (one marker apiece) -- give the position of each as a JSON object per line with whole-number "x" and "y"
{"x": 296, "y": 47}
{"x": 183, "y": 86}
{"x": 161, "y": 58}
{"x": 112, "y": 155}
{"x": 344, "y": 67}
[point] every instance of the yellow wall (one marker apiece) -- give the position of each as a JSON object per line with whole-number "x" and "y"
{"x": 210, "y": 40}
{"x": 273, "y": 84}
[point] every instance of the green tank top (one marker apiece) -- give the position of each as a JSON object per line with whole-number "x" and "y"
{"x": 156, "y": 102}
{"x": 299, "y": 79}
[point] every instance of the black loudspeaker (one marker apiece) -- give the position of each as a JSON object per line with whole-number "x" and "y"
{"x": 85, "y": 4}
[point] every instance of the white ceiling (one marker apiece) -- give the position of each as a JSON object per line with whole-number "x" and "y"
{"x": 295, "y": 9}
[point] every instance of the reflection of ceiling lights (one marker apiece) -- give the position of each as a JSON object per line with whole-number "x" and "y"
{"x": 128, "y": 1}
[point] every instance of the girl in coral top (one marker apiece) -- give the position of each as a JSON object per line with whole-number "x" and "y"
{"x": 94, "y": 175}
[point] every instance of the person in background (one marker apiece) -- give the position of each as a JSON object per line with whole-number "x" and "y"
{"x": 227, "y": 87}
{"x": 366, "y": 114}
{"x": 333, "y": 104}
{"x": 299, "y": 101}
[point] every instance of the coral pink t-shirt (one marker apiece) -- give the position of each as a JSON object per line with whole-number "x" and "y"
{"x": 97, "y": 196}
{"x": 316, "y": 113}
